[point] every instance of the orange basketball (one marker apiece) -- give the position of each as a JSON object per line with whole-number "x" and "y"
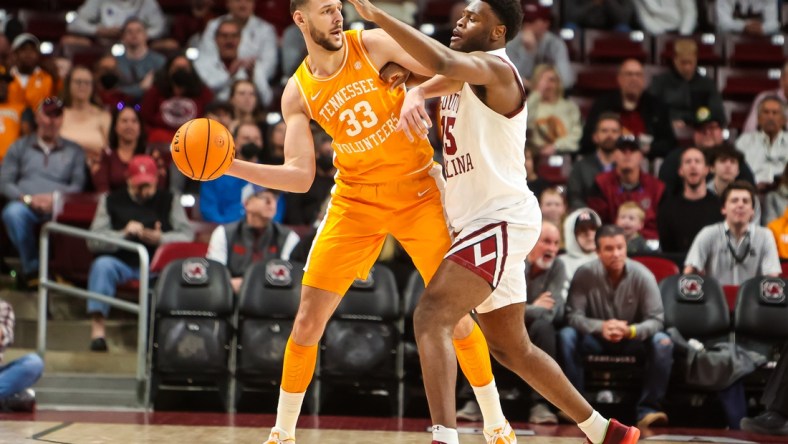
{"x": 202, "y": 149}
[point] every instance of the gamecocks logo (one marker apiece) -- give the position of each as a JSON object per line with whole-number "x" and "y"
{"x": 195, "y": 271}
{"x": 773, "y": 291}
{"x": 691, "y": 287}
{"x": 278, "y": 273}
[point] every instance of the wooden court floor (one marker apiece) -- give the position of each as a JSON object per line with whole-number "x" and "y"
{"x": 58, "y": 427}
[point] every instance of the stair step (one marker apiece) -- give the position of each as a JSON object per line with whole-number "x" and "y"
{"x": 88, "y": 363}
{"x": 121, "y": 335}
{"x": 87, "y": 390}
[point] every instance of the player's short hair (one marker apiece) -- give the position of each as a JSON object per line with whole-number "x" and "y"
{"x": 509, "y": 12}
{"x": 739, "y": 185}
{"x": 296, "y": 5}
{"x": 608, "y": 230}
{"x": 632, "y": 206}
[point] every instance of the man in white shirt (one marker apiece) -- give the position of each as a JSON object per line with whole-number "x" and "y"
{"x": 752, "y": 17}
{"x": 258, "y": 39}
{"x": 766, "y": 150}
{"x": 661, "y": 16}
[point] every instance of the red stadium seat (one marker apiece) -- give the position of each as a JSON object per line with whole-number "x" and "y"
{"x": 70, "y": 258}
{"x": 594, "y": 80}
{"x": 660, "y": 266}
{"x": 784, "y": 266}
{"x": 731, "y": 293}
{"x": 46, "y": 25}
{"x": 744, "y": 84}
{"x": 737, "y": 114}
{"x": 709, "y": 49}
{"x": 275, "y": 12}
{"x": 614, "y": 47}
{"x": 749, "y": 51}
{"x": 164, "y": 255}
{"x": 202, "y": 230}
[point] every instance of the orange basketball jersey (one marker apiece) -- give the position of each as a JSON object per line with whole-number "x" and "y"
{"x": 361, "y": 114}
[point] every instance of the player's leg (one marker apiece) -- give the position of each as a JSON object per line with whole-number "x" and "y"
{"x": 345, "y": 248}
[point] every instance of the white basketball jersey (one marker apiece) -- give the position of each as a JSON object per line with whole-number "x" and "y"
{"x": 483, "y": 155}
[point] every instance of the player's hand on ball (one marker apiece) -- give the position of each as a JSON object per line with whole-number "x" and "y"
{"x": 365, "y": 9}
{"x": 202, "y": 149}
{"x": 413, "y": 118}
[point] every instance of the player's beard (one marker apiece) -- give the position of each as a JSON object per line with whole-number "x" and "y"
{"x": 324, "y": 39}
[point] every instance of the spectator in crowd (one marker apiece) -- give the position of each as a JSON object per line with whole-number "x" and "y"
{"x": 303, "y": 208}
{"x": 177, "y": 96}
{"x": 684, "y": 89}
{"x": 31, "y": 84}
{"x": 34, "y": 169}
{"x": 293, "y": 40}
{"x": 186, "y": 30}
{"x": 220, "y": 199}
{"x": 258, "y": 38}
{"x": 126, "y": 140}
{"x": 777, "y": 200}
{"x": 599, "y": 14}
{"x": 661, "y": 17}
{"x": 5, "y": 50}
{"x": 222, "y": 112}
{"x": 553, "y": 122}
{"x": 256, "y": 237}
{"x": 584, "y": 171}
{"x": 245, "y": 104}
{"x": 535, "y": 183}
{"x": 274, "y": 152}
{"x": 641, "y": 113}
{"x": 219, "y": 70}
{"x": 706, "y": 135}
{"x": 775, "y": 397}
{"x": 16, "y": 377}
{"x": 782, "y": 92}
{"x": 102, "y": 20}
{"x": 726, "y": 163}
{"x": 108, "y": 81}
{"x": 547, "y": 285}
{"x": 682, "y": 216}
{"x": 627, "y": 182}
{"x": 142, "y": 213}
{"x": 138, "y": 63}
{"x": 752, "y": 17}
{"x": 10, "y": 114}
{"x": 84, "y": 122}
{"x": 536, "y": 45}
{"x": 631, "y": 218}
{"x": 579, "y": 231}
{"x": 553, "y": 206}
{"x": 735, "y": 249}
{"x": 614, "y": 307}
{"x": 766, "y": 150}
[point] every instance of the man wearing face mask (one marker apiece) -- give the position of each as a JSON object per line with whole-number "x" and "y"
{"x": 138, "y": 213}
{"x": 254, "y": 238}
{"x": 303, "y": 208}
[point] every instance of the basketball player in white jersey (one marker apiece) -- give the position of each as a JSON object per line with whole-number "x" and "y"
{"x": 495, "y": 217}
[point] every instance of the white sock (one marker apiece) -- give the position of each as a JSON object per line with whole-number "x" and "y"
{"x": 594, "y": 427}
{"x": 490, "y": 405}
{"x": 444, "y": 435}
{"x": 288, "y": 410}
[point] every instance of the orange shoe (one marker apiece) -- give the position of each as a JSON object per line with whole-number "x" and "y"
{"x": 501, "y": 435}
{"x": 279, "y": 436}
{"x": 618, "y": 433}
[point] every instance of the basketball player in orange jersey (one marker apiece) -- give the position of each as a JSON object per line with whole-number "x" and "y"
{"x": 385, "y": 184}
{"x": 495, "y": 216}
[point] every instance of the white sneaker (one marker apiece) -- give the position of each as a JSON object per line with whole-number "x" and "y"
{"x": 470, "y": 412}
{"x": 279, "y": 436}
{"x": 501, "y": 435}
{"x": 541, "y": 414}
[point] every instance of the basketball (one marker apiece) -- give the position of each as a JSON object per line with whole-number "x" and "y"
{"x": 202, "y": 149}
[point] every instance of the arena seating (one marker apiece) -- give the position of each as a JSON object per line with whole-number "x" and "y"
{"x": 661, "y": 267}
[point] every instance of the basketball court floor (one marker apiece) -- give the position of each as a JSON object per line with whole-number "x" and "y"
{"x": 87, "y": 427}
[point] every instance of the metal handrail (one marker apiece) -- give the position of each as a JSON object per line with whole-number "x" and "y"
{"x": 141, "y": 308}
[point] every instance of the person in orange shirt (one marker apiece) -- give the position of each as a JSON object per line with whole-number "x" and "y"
{"x": 10, "y": 114}
{"x": 31, "y": 83}
{"x": 385, "y": 184}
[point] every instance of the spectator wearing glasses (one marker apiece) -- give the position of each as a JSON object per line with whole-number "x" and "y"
{"x": 627, "y": 182}
{"x": 766, "y": 150}
{"x": 735, "y": 249}
{"x": 34, "y": 169}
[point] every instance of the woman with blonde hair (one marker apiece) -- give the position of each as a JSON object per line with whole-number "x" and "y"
{"x": 553, "y": 122}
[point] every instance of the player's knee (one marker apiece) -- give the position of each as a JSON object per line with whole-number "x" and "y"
{"x": 307, "y": 330}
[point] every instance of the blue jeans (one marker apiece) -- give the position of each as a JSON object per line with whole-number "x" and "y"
{"x": 20, "y": 223}
{"x": 574, "y": 346}
{"x": 106, "y": 273}
{"x": 20, "y": 374}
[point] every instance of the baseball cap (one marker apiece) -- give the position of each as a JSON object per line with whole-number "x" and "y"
{"x": 536, "y": 11}
{"x": 628, "y": 142}
{"x": 586, "y": 219}
{"x": 5, "y": 75}
{"x": 24, "y": 38}
{"x": 252, "y": 190}
{"x": 52, "y": 106}
{"x": 142, "y": 169}
{"x": 704, "y": 115}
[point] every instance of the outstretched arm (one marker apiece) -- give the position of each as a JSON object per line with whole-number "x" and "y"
{"x": 413, "y": 117}
{"x": 477, "y": 68}
{"x": 298, "y": 171}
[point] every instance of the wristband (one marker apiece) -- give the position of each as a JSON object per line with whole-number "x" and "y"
{"x": 632, "y": 332}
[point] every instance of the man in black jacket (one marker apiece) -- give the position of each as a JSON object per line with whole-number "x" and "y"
{"x": 642, "y": 114}
{"x": 138, "y": 213}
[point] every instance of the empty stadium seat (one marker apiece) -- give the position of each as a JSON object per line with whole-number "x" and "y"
{"x": 744, "y": 84}
{"x": 360, "y": 346}
{"x": 784, "y": 266}
{"x": 192, "y": 328}
{"x": 659, "y": 266}
{"x": 696, "y": 306}
{"x": 737, "y": 113}
{"x": 593, "y": 80}
{"x": 761, "y": 314}
{"x": 750, "y": 51}
{"x": 70, "y": 258}
{"x": 44, "y": 24}
{"x": 731, "y": 294}
{"x": 614, "y": 47}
